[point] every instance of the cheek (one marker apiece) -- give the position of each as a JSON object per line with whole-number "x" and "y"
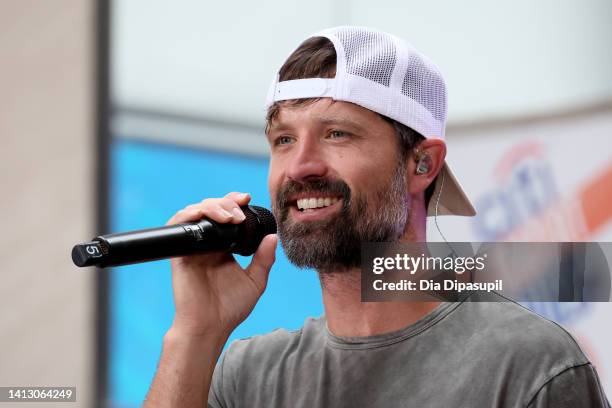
{"x": 373, "y": 178}
{"x": 369, "y": 174}
{"x": 274, "y": 179}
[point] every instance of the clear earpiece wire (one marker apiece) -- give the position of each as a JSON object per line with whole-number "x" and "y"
{"x": 436, "y": 217}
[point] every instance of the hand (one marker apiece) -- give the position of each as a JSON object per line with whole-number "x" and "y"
{"x": 212, "y": 293}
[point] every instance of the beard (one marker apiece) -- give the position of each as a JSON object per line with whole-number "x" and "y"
{"x": 334, "y": 243}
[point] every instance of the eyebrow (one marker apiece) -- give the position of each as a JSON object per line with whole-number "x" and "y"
{"x": 340, "y": 121}
{"x": 325, "y": 120}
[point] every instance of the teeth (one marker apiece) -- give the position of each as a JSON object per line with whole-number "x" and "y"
{"x": 308, "y": 203}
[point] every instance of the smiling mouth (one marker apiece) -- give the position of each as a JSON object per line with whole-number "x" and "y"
{"x": 308, "y": 204}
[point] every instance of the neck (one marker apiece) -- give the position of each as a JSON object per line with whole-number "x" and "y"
{"x": 347, "y": 316}
{"x": 345, "y": 313}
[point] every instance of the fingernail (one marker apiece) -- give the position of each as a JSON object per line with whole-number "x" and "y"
{"x": 238, "y": 213}
{"x": 242, "y": 196}
{"x": 225, "y": 213}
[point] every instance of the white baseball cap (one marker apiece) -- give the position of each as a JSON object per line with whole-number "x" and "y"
{"x": 385, "y": 74}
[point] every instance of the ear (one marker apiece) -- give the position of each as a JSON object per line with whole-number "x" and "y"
{"x": 432, "y": 152}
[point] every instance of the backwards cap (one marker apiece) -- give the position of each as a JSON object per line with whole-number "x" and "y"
{"x": 385, "y": 74}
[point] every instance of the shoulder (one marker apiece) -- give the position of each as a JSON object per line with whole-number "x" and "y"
{"x": 512, "y": 328}
{"x": 253, "y": 368}
{"x": 518, "y": 347}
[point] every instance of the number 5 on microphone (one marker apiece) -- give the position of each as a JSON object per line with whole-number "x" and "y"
{"x": 94, "y": 251}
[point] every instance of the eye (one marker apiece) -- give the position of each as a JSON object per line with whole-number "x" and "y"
{"x": 282, "y": 140}
{"x": 334, "y": 134}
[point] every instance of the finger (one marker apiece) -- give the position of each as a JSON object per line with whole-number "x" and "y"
{"x": 210, "y": 208}
{"x": 240, "y": 198}
{"x": 186, "y": 214}
{"x": 262, "y": 261}
{"x": 234, "y": 209}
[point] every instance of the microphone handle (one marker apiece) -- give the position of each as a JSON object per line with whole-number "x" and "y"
{"x": 156, "y": 243}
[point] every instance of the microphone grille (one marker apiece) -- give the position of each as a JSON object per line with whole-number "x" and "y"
{"x": 259, "y": 222}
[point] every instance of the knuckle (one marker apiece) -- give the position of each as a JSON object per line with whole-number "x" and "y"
{"x": 183, "y": 214}
{"x": 192, "y": 207}
{"x": 211, "y": 203}
{"x": 228, "y": 202}
{"x": 232, "y": 194}
{"x": 208, "y": 203}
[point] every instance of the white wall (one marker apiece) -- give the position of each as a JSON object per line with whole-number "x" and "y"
{"x": 502, "y": 58}
{"x": 46, "y": 173}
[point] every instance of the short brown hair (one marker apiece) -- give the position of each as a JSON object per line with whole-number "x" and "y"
{"x": 316, "y": 58}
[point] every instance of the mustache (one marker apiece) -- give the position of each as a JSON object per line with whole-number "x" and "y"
{"x": 320, "y": 185}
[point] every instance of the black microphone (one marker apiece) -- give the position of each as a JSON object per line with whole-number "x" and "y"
{"x": 177, "y": 240}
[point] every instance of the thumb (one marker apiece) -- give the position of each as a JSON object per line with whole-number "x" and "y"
{"x": 262, "y": 261}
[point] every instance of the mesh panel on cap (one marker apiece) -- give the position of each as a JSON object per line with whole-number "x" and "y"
{"x": 425, "y": 86}
{"x": 369, "y": 54}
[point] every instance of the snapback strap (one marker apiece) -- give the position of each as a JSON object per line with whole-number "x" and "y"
{"x": 304, "y": 88}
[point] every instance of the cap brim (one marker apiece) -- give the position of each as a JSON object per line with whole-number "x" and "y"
{"x": 452, "y": 200}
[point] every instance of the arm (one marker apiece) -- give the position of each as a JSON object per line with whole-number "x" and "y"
{"x": 212, "y": 295}
{"x": 185, "y": 370}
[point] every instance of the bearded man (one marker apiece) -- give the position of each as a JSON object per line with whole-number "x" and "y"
{"x": 355, "y": 122}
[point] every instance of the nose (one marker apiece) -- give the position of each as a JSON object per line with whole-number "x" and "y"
{"x": 308, "y": 161}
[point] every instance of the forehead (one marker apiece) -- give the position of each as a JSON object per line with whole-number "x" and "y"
{"x": 324, "y": 111}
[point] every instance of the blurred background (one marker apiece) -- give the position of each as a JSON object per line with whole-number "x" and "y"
{"x": 115, "y": 114}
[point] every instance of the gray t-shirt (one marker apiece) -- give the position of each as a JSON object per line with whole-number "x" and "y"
{"x": 469, "y": 354}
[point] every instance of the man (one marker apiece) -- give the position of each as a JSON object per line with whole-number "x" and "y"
{"x": 356, "y": 124}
